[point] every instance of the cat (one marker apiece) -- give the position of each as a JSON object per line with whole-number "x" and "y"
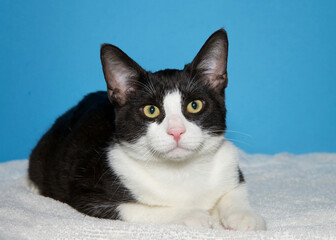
{"x": 151, "y": 149}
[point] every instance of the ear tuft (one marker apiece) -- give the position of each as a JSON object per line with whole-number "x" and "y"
{"x": 120, "y": 73}
{"x": 211, "y": 61}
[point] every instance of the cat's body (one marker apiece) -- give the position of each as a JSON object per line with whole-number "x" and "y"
{"x": 156, "y": 154}
{"x": 70, "y": 159}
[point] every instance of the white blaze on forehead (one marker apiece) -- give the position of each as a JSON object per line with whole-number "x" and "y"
{"x": 172, "y": 104}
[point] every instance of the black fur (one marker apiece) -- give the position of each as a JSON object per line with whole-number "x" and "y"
{"x": 241, "y": 176}
{"x": 70, "y": 163}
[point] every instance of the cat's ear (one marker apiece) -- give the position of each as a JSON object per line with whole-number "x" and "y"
{"x": 121, "y": 73}
{"x": 211, "y": 61}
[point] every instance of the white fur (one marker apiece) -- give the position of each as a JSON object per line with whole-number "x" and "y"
{"x": 32, "y": 186}
{"x": 193, "y": 185}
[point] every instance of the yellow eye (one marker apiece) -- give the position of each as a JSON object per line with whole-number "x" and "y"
{"x": 195, "y": 106}
{"x": 151, "y": 111}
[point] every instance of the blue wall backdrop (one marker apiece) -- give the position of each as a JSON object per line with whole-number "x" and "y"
{"x": 282, "y": 63}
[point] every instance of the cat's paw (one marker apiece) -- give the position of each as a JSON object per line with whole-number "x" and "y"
{"x": 243, "y": 221}
{"x": 197, "y": 218}
{"x": 32, "y": 186}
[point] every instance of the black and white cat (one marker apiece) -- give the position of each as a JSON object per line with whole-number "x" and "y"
{"x": 151, "y": 149}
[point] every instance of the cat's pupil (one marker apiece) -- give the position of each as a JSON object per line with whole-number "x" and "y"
{"x": 194, "y": 105}
{"x": 152, "y": 110}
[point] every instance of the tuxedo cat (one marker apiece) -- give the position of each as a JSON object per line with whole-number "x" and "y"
{"x": 151, "y": 149}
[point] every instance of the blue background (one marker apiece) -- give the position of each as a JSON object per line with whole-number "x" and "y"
{"x": 282, "y": 63}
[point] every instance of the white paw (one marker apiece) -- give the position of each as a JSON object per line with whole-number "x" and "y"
{"x": 197, "y": 218}
{"x": 244, "y": 221}
{"x": 32, "y": 186}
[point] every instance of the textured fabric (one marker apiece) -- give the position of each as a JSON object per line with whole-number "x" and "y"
{"x": 295, "y": 193}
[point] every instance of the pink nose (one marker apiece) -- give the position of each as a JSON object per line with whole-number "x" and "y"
{"x": 176, "y": 133}
{"x": 175, "y": 127}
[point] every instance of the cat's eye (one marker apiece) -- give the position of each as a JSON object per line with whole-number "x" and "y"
{"x": 195, "y": 106}
{"x": 151, "y": 111}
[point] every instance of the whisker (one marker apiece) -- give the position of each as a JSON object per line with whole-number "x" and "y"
{"x": 236, "y": 140}
{"x": 242, "y": 133}
{"x": 192, "y": 84}
{"x": 149, "y": 89}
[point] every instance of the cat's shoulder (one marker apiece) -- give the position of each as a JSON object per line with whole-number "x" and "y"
{"x": 94, "y": 100}
{"x": 92, "y": 105}
{"x": 93, "y": 115}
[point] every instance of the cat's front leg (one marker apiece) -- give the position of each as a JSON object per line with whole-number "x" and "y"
{"x": 234, "y": 211}
{"x": 136, "y": 212}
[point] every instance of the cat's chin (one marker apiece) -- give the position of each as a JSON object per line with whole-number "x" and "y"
{"x": 178, "y": 154}
{"x": 150, "y": 154}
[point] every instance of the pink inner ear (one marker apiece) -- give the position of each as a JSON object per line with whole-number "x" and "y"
{"x": 217, "y": 83}
{"x": 175, "y": 127}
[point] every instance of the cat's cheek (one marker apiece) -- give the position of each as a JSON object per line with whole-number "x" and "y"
{"x": 193, "y": 137}
{"x": 137, "y": 150}
{"x": 158, "y": 139}
{"x": 212, "y": 143}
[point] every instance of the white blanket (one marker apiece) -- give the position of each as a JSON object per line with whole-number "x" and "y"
{"x": 295, "y": 193}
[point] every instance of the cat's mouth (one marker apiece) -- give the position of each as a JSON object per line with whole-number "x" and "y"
{"x": 178, "y": 149}
{"x": 178, "y": 152}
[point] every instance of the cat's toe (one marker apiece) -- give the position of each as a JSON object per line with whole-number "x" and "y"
{"x": 244, "y": 221}
{"x": 198, "y": 218}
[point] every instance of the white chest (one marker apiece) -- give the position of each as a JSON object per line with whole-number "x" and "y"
{"x": 196, "y": 183}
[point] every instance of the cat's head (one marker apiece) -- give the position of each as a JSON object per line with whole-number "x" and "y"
{"x": 169, "y": 114}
